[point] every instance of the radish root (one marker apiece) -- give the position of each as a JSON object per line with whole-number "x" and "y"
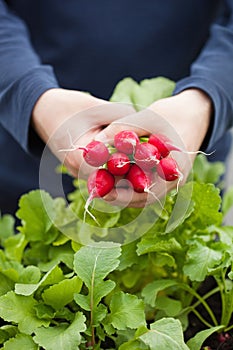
{"x": 87, "y": 211}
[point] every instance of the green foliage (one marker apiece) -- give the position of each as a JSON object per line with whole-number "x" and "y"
{"x": 165, "y": 334}
{"x": 126, "y": 311}
{"x": 56, "y": 292}
{"x": 196, "y": 342}
{"x": 142, "y": 94}
{"x": 21, "y": 341}
{"x": 63, "y": 336}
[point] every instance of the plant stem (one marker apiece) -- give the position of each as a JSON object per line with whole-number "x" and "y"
{"x": 206, "y": 323}
{"x": 228, "y": 328}
{"x": 198, "y": 302}
{"x": 226, "y": 298}
{"x": 202, "y": 301}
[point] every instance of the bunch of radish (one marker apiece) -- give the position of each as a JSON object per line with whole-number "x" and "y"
{"x": 132, "y": 159}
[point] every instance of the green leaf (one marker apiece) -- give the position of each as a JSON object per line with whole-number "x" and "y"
{"x": 182, "y": 209}
{"x": 196, "y": 342}
{"x": 87, "y": 302}
{"x": 62, "y": 293}
{"x": 131, "y": 277}
{"x": 151, "y": 90}
{"x": 64, "y": 254}
{"x": 134, "y": 345}
{"x": 128, "y": 255}
{"x": 14, "y": 247}
{"x": 54, "y": 275}
{"x": 6, "y": 284}
{"x": 99, "y": 314}
{"x": 225, "y": 234}
{"x": 162, "y": 259}
{"x": 3, "y": 336}
{"x": 207, "y": 172}
{"x": 44, "y": 311}
{"x": 63, "y": 215}
{"x": 126, "y": 311}
{"x": 63, "y": 336}
{"x": 36, "y": 210}
{"x": 6, "y": 227}
{"x": 7, "y": 331}
{"x": 143, "y": 94}
{"x": 123, "y": 91}
{"x": 21, "y": 341}
{"x": 200, "y": 260}
{"x": 152, "y": 289}
{"x": 92, "y": 265}
{"x": 20, "y": 310}
{"x": 170, "y": 306}
{"x": 10, "y": 268}
{"x": 36, "y": 253}
{"x": 165, "y": 333}
{"x": 150, "y": 244}
{"x": 30, "y": 274}
{"x": 227, "y": 201}
{"x": 207, "y": 205}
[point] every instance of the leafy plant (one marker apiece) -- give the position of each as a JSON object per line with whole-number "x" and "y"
{"x": 130, "y": 283}
{"x": 58, "y": 292}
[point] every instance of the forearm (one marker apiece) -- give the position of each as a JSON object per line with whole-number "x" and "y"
{"x": 23, "y": 78}
{"x": 212, "y": 72}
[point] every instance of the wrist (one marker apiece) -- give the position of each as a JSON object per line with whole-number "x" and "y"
{"x": 190, "y": 113}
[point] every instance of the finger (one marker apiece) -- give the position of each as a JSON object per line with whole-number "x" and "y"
{"x": 144, "y": 123}
{"x": 125, "y": 197}
{"x": 114, "y": 111}
{"x": 104, "y": 114}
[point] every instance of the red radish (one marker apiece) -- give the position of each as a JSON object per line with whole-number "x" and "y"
{"x": 95, "y": 153}
{"x": 118, "y": 164}
{"x": 126, "y": 141}
{"x": 163, "y": 144}
{"x": 222, "y": 337}
{"x": 146, "y": 156}
{"x": 99, "y": 183}
{"x": 140, "y": 180}
{"x": 168, "y": 169}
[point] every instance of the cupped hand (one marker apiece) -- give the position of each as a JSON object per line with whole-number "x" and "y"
{"x": 184, "y": 119}
{"x": 66, "y": 119}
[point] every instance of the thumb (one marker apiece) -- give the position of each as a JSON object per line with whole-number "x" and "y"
{"x": 108, "y": 133}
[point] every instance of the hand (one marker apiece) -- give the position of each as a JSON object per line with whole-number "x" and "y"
{"x": 65, "y": 119}
{"x": 184, "y": 119}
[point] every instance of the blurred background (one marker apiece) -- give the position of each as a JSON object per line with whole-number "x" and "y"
{"x": 229, "y": 181}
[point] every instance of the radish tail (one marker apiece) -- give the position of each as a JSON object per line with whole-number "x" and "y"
{"x": 87, "y": 211}
{"x": 147, "y": 190}
{"x": 180, "y": 178}
{"x": 178, "y": 149}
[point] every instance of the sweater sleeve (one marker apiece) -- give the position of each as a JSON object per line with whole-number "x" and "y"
{"x": 23, "y": 77}
{"x": 212, "y": 72}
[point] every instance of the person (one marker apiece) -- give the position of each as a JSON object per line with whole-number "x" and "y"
{"x": 52, "y": 53}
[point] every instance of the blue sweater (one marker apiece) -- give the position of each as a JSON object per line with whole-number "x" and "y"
{"x": 90, "y": 46}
